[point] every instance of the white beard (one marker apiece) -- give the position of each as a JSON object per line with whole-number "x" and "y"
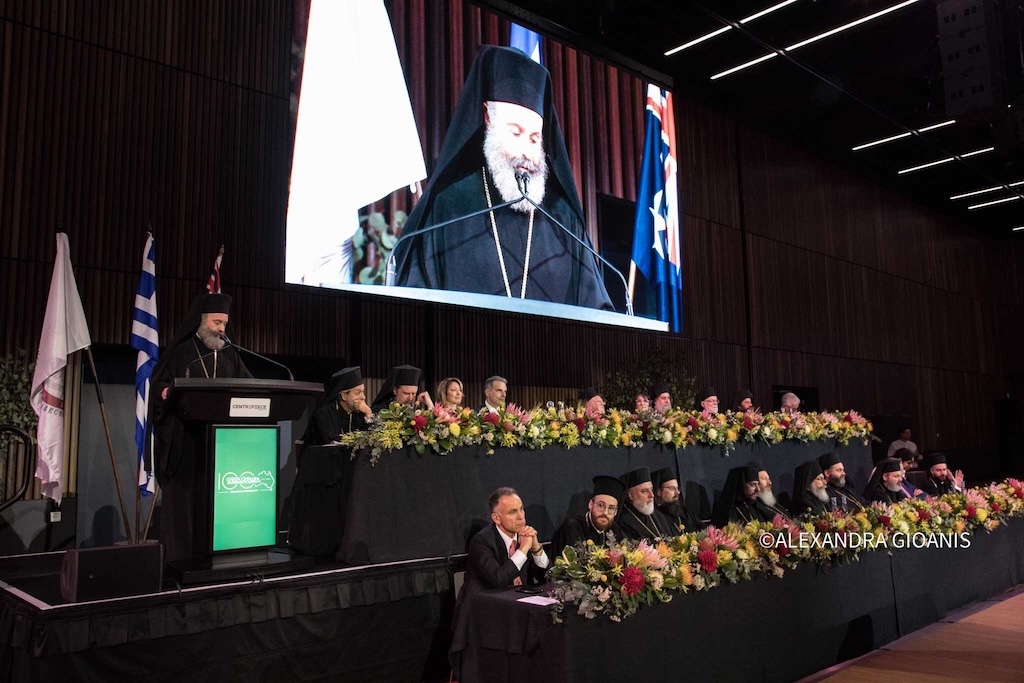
{"x": 892, "y": 485}
{"x": 211, "y": 340}
{"x": 767, "y": 497}
{"x": 646, "y": 509}
{"x": 503, "y": 171}
{"x": 820, "y": 494}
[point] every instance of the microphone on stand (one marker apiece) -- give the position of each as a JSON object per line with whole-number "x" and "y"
{"x": 228, "y": 342}
{"x": 523, "y": 182}
{"x": 389, "y": 272}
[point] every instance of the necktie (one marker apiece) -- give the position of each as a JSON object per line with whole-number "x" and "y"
{"x": 512, "y": 548}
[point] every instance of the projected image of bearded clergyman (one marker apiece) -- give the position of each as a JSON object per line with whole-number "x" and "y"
{"x": 503, "y": 126}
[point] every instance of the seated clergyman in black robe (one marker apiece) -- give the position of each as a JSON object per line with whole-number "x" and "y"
{"x": 639, "y": 517}
{"x": 941, "y": 480}
{"x": 886, "y": 483}
{"x": 504, "y": 127}
{"x": 402, "y": 386}
{"x": 198, "y": 350}
{"x": 739, "y": 502}
{"x": 765, "y": 493}
{"x": 810, "y": 491}
{"x": 838, "y": 488}
{"x": 343, "y": 409}
{"x": 598, "y": 521}
{"x": 670, "y": 501}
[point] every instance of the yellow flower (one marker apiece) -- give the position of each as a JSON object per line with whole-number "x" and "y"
{"x": 604, "y": 578}
{"x": 625, "y": 438}
{"x": 590, "y": 541}
{"x": 724, "y": 556}
{"x": 664, "y": 550}
{"x": 466, "y": 412}
{"x": 960, "y": 526}
{"x": 600, "y": 553}
{"x": 474, "y": 429}
{"x": 732, "y": 434}
{"x": 982, "y": 514}
{"x": 685, "y": 575}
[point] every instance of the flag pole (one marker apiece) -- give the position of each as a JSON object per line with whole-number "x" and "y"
{"x": 138, "y": 489}
{"x": 632, "y": 278}
{"x": 110, "y": 443}
{"x": 149, "y": 517}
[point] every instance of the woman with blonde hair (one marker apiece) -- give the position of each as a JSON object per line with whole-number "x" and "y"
{"x": 450, "y": 394}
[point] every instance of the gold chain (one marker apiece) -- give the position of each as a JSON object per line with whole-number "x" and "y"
{"x": 497, "y": 243}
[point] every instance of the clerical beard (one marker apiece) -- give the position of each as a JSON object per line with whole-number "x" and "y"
{"x": 838, "y": 482}
{"x": 767, "y": 497}
{"x": 673, "y": 509}
{"x": 893, "y": 486}
{"x": 646, "y": 508}
{"x": 503, "y": 171}
{"x": 211, "y": 340}
{"x": 821, "y": 494}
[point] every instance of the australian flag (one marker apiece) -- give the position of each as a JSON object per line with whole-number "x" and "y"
{"x": 656, "y": 252}
{"x": 145, "y": 340}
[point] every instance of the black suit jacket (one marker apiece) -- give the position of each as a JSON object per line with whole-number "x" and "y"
{"x": 489, "y": 565}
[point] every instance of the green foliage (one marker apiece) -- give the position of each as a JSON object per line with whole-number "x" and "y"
{"x": 623, "y": 384}
{"x": 15, "y": 387}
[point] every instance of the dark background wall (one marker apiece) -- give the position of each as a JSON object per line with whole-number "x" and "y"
{"x": 116, "y": 114}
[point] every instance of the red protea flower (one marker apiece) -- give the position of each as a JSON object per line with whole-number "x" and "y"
{"x": 995, "y": 507}
{"x": 823, "y": 525}
{"x": 580, "y": 423}
{"x": 1019, "y": 492}
{"x": 782, "y": 550}
{"x": 971, "y": 511}
{"x": 924, "y": 515}
{"x": 784, "y": 422}
{"x": 708, "y": 560}
{"x": 692, "y": 422}
{"x": 419, "y": 422}
{"x": 644, "y": 426}
{"x": 632, "y": 581}
{"x": 884, "y": 520}
{"x": 507, "y": 426}
{"x": 748, "y": 423}
{"x": 492, "y": 418}
{"x": 706, "y": 544}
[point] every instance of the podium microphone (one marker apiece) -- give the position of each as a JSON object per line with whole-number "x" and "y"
{"x": 228, "y": 342}
{"x": 523, "y": 182}
{"x": 389, "y": 272}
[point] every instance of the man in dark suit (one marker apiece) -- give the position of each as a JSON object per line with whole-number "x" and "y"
{"x": 507, "y": 552}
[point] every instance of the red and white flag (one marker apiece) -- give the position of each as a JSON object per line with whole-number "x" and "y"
{"x": 64, "y": 332}
{"x": 213, "y": 284}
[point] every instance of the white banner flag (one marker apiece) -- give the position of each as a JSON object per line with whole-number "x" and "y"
{"x": 64, "y": 332}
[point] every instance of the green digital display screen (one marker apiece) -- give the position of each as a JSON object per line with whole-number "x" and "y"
{"x": 244, "y": 487}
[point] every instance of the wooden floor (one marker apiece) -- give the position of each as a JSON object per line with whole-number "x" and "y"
{"x": 985, "y": 642}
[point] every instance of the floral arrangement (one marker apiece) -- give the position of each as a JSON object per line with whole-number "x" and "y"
{"x": 441, "y": 430}
{"x": 614, "y": 580}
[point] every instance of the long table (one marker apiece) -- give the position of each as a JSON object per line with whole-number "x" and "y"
{"x": 411, "y": 506}
{"x": 769, "y": 630}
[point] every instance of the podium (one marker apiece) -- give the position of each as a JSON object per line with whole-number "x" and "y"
{"x": 235, "y": 439}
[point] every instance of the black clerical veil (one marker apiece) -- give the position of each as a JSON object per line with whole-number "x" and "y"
{"x": 504, "y": 75}
{"x": 734, "y": 482}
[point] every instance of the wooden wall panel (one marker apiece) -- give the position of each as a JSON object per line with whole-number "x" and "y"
{"x": 708, "y": 178}
{"x": 714, "y": 304}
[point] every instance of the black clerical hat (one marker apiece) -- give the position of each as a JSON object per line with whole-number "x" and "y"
{"x": 659, "y": 389}
{"x": 889, "y": 465}
{"x": 659, "y": 477}
{"x": 348, "y": 378}
{"x": 588, "y": 393}
{"x": 511, "y": 76}
{"x": 641, "y": 475}
{"x": 608, "y": 486}
{"x": 406, "y": 375}
{"x": 802, "y": 478}
{"x": 217, "y": 303}
{"x": 757, "y": 464}
{"x": 828, "y": 460}
{"x": 936, "y": 459}
{"x": 750, "y": 473}
{"x": 706, "y": 393}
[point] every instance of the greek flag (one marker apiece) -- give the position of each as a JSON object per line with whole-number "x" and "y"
{"x": 527, "y": 41}
{"x": 145, "y": 340}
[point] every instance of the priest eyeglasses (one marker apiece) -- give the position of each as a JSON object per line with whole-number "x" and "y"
{"x": 601, "y": 506}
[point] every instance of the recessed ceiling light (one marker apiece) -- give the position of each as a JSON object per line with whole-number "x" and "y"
{"x": 994, "y": 202}
{"x": 814, "y": 39}
{"x": 718, "y": 32}
{"x": 946, "y": 160}
{"x": 987, "y": 190}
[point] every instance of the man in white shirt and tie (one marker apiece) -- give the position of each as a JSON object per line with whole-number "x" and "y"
{"x": 506, "y": 552}
{"x": 495, "y": 390}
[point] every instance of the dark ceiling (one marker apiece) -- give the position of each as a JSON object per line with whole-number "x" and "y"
{"x": 881, "y": 78}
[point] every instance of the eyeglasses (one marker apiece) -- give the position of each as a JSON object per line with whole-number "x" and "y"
{"x": 604, "y": 507}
